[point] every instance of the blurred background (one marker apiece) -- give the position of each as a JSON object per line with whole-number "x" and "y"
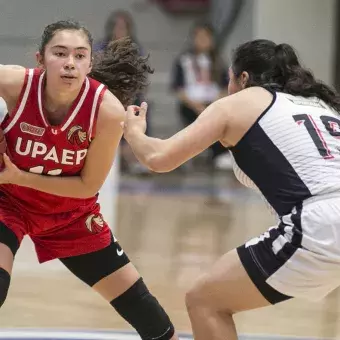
{"x": 173, "y": 226}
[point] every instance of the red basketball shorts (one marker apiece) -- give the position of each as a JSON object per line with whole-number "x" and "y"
{"x": 58, "y": 235}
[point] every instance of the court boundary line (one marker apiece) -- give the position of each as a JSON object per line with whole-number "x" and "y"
{"x": 51, "y": 334}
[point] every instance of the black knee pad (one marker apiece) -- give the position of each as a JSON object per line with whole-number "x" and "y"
{"x": 5, "y": 280}
{"x": 143, "y": 312}
{"x": 8, "y": 238}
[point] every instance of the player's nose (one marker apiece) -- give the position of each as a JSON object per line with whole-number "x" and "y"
{"x": 69, "y": 65}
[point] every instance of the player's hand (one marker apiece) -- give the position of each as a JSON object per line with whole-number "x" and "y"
{"x": 135, "y": 120}
{"x": 11, "y": 173}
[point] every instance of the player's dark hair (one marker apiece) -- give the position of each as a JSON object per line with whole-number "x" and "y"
{"x": 120, "y": 66}
{"x": 277, "y": 68}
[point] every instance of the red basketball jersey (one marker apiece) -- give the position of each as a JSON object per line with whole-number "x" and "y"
{"x": 36, "y": 146}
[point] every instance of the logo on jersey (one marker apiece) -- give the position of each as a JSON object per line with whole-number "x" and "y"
{"x": 94, "y": 223}
{"x": 31, "y": 129}
{"x": 76, "y": 135}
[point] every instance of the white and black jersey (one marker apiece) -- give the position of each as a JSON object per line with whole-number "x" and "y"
{"x": 292, "y": 152}
{"x": 291, "y": 155}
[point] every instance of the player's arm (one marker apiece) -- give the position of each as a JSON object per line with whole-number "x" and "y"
{"x": 11, "y": 81}
{"x": 165, "y": 155}
{"x": 98, "y": 161}
{"x": 227, "y": 120}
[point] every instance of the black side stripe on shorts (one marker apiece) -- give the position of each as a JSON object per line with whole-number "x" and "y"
{"x": 260, "y": 260}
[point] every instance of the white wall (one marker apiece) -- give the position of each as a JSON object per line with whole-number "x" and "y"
{"x": 243, "y": 29}
{"x": 309, "y": 25}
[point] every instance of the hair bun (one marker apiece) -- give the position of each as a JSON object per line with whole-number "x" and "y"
{"x": 286, "y": 55}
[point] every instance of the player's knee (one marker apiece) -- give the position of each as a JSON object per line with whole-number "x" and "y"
{"x": 197, "y": 295}
{"x": 192, "y": 298}
{"x": 5, "y": 279}
{"x": 141, "y": 309}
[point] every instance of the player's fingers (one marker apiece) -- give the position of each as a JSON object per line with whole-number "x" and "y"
{"x": 143, "y": 110}
{"x": 7, "y": 160}
{"x": 131, "y": 110}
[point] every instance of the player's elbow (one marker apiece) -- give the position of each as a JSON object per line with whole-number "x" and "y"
{"x": 160, "y": 157}
{"x": 159, "y": 162}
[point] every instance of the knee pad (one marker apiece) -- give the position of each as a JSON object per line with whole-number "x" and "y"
{"x": 5, "y": 280}
{"x": 8, "y": 237}
{"x": 143, "y": 312}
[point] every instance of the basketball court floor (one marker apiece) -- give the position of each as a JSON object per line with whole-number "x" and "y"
{"x": 172, "y": 227}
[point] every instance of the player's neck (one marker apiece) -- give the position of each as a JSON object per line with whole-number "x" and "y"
{"x": 56, "y": 101}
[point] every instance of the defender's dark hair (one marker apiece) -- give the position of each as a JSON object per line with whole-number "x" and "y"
{"x": 277, "y": 68}
{"x": 120, "y": 66}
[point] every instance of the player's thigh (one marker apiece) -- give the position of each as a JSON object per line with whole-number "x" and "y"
{"x": 6, "y": 258}
{"x": 108, "y": 271}
{"x": 9, "y": 245}
{"x": 117, "y": 282}
{"x": 121, "y": 273}
{"x": 297, "y": 258}
{"x": 249, "y": 277}
{"x": 12, "y": 230}
{"x": 226, "y": 287}
{"x": 7, "y": 253}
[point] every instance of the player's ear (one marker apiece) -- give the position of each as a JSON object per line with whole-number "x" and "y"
{"x": 244, "y": 78}
{"x": 40, "y": 60}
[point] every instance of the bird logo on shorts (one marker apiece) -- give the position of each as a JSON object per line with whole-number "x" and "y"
{"x": 76, "y": 135}
{"x": 94, "y": 223}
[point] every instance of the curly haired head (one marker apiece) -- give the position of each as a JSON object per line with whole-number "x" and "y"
{"x": 120, "y": 66}
{"x": 122, "y": 69}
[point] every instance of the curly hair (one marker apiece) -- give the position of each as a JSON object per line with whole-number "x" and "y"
{"x": 119, "y": 66}
{"x": 122, "y": 69}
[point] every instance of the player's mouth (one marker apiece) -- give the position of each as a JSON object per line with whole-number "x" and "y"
{"x": 68, "y": 77}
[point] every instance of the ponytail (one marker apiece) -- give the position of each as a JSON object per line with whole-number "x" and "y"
{"x": 299, "y": 81}
{"x": 277, "y": 68}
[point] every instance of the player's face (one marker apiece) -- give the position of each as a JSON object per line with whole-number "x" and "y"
{"x": 67, "y": 59}
{"x": 237, "y": 84}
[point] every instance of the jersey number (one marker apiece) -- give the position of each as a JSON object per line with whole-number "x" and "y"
{"x": 40, "y": 170}
{"x": 332, "y": 125}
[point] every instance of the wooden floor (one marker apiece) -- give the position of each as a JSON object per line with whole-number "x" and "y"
{"x": 171, "y": 235}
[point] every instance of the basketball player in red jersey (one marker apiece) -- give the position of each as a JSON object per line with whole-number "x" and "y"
{"x": 62, "y": 131}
